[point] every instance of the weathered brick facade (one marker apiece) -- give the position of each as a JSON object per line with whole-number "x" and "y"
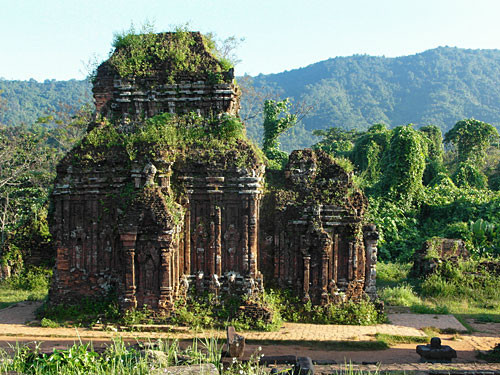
{"x": 152, "y": 228}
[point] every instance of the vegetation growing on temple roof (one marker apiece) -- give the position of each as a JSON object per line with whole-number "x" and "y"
{"x": 172, "y": 53}
{"x": 171, "y": 137}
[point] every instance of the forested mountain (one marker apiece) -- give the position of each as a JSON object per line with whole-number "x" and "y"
{"x": 23, "y": 102}
{"x": 439, "y": 86}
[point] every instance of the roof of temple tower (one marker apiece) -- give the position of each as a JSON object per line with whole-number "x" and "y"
{"x": 174, "y": 72}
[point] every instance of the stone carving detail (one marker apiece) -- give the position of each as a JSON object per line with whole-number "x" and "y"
{"x": 316, "y": 233}
{"x": 115, "y": 229}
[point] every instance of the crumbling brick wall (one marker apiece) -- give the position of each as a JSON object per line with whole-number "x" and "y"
{"x": 151, "y": 228}
{"x": 315, "y": 233}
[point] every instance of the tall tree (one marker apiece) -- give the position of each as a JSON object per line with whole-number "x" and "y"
{"x": 403, "y": 163}
{"x": 471, "y": 138}
{"x": 277, "y": 119}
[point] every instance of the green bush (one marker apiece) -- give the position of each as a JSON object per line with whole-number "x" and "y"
{"x": 292, "y": 309}
{"x": 117, "y": 359}
{"x": 47, "y": 323}
{"x": 464, "y": 280}
{"x": 402, "y": 295}
{"x": 391, "y": 273}
{"x": 210, "y": 311}
{"x": 88, "y": 311}
{"x": 34, "y": 279}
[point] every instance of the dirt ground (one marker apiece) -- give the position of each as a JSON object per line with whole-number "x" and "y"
{"x": 292, "y": 339}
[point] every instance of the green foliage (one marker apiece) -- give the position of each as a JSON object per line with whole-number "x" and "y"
{"x": 434, "y": 173}
{"x": 118, "y": 359}
{"x": 28, "y": 156}
{"x": 346, "y": 92}
{"x": 435, "y": 142}
{"x": 172, "y": 137}
{"x": 466, "y": 280}
{"x": 412, "y": 195}
{"x": 47, "y": 323}
{"x": 468, "y": 175}
{"x": 401, "y": 295}
{"x": 277, "y": 119}
{"x": 429, "y": 309}
{"x": 141, "y": 54}
{"x": 391, "y": 274}
{"x": 471, "y": 138}
{"x": 30, "y": 283}
{"x": 137, "y": 316}
{"x": 462, "y": 287}
{"x": 439, "y": 86}
{"x": 31, "y": 278}
{"x": 368, "y": 150}
{"x": 209, "y": 311}
{"x": 292, "y": 309}
{"x": 87, "y": 312}
{"x": 434, "y": 162}
{"x": 404, "y": 164}
{"x": 26, "y": 101}
{"x": 397, "y": 226}
{"x": 336, "y": 141}
{"x": 392, "y": 340}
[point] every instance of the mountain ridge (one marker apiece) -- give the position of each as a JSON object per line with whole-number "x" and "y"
{"x": 439, "y": 86}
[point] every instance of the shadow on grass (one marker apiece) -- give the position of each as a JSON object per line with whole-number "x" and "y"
{"x": 326, "y": 345}
{"x": 473, "y": 322}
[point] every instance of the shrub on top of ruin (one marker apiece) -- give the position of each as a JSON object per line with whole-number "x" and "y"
{"x": 142, "y": 53}
{"x": 172, "y": 137}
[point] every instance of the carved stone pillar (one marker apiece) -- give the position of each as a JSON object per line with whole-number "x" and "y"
{"x": 336, "y": 259}
{"x": 211, "y": 247}
{"x": 128, "y": 241}
{"x": 370, "y": 237}
{"x": 324, "y": 278}
{"x": 307, "y": 272}
{"x": 218, "y": 244}
{"x": 350, "y": 269}
{"x": 246, "y": 247}
{"x": 187, "y": 239}
{"x": 166, "y": 289}
{"x": 252, "y": 235}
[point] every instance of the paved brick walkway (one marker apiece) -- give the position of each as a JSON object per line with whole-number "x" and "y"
{"x": 292, "y": 338}
{"x": 413, "y": 368}
{"x": 420, "y": 321}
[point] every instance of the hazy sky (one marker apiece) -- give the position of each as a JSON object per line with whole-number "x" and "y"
{"x": 54, "y": 39}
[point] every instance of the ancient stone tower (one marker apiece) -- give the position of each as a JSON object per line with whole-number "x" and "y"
{"x": 165, "y": 194}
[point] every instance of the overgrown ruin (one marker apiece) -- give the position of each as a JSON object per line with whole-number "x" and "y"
{"x": 165, "y": 195}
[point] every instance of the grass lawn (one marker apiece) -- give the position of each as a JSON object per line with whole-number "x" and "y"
{"x": 461, "y": 292}
{"x": 32, "y": 285}
{"x": 9, "y": 296}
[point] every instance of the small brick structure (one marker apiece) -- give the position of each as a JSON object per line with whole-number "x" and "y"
{"x": 114, "y": 228}
{"x": 435, "y": 251}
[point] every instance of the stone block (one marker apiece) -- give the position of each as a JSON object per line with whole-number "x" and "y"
{"x": 435, "y": 352}
{"x": 235, "y": 343}
{"x": 304, "y": 366}
{"x": 205, "y": 369}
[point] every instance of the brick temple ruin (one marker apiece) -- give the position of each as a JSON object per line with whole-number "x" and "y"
{"x": 160, "y": 225}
